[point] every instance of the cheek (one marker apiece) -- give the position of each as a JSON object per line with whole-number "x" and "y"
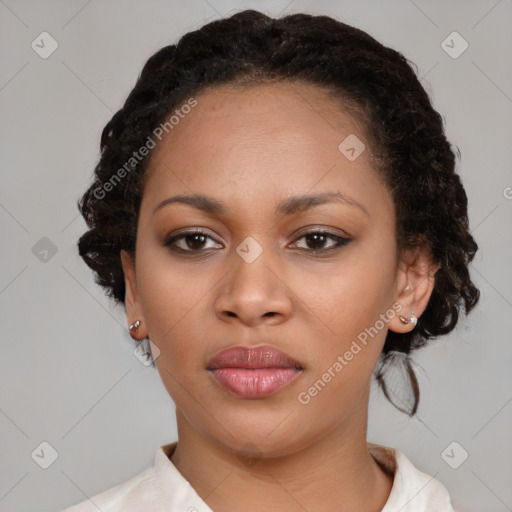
{"x": 351, "y": 293}
{"x": 354, "y": 295}
{"x": 167, "y": 288}
{"x": 171, "y": 300}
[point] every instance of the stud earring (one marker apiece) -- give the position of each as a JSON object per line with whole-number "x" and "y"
{"x": 134, "y": 327}
{"x": 411, "y": 320}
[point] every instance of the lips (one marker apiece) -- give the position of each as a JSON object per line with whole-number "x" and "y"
{"x": 253, "y": 357}
{"x": 253, "y": 372}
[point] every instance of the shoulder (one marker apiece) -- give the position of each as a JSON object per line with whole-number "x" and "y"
{"x": 413, "y": 490}
{"x": 156, "y": 489}
{"x": 121, "y": 497}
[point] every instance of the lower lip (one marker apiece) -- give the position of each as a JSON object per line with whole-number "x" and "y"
{"x": 254, "y": 383}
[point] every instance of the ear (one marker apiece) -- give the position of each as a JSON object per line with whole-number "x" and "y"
{"x": 415, "y": 282}
{"x": 132, "y": 301}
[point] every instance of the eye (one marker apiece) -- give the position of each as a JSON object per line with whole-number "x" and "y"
{"x": 190, "y": 241}
{"x": 318, "y": 238}
{"x": 194, "y": 241}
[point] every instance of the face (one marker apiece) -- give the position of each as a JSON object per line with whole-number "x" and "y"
{"x": 306, "y": 278}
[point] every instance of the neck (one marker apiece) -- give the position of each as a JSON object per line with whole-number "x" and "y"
{"x": 336, "y": 473}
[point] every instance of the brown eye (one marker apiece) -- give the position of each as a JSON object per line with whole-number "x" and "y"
{"x": 190, "y": 241}
{"x": 316, "y": 240}
{"x": 196, "y": 242}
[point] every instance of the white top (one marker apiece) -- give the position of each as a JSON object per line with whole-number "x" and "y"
{"x": 163, "y": 488}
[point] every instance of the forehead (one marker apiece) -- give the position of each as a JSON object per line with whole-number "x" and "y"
{"x": 261, "y": 142}
{"x": 296, "y": 111}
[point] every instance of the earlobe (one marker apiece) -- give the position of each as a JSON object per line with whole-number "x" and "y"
{"x": 132, "y": 303}
{"x": 417, "y": 270}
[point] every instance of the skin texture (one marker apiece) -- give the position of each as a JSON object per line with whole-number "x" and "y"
{"x": 251, "y": 148}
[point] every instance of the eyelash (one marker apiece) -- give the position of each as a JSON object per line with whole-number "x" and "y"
{"x": 340, "y": 241}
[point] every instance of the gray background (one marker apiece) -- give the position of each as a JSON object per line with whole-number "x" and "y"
{"x": 68, "y": 374}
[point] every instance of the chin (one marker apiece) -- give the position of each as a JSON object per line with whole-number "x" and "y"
{"x": 262, "y": 441}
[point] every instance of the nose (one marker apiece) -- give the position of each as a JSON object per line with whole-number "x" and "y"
{"x": 254, "y": 293}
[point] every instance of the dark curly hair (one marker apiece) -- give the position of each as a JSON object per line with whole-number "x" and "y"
{"x": 375, "y": 83}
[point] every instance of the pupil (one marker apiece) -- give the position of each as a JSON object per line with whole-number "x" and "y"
{"x": 317, "y": 237}
{"x": 195, "y": 237}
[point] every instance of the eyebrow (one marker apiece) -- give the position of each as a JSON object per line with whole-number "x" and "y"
{"x": 289, "y": 206}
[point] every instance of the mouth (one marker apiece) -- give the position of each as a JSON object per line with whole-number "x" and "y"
{"x": 253, "y": 372}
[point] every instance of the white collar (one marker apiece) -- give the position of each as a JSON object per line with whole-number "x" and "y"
{"x": 412, "y": 491}
{"x": 163, "y": 487}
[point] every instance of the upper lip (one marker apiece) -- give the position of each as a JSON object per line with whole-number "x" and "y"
{"x": 253, "y": 357}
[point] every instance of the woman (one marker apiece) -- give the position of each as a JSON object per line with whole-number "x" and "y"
{"x": 276, "y": 207}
